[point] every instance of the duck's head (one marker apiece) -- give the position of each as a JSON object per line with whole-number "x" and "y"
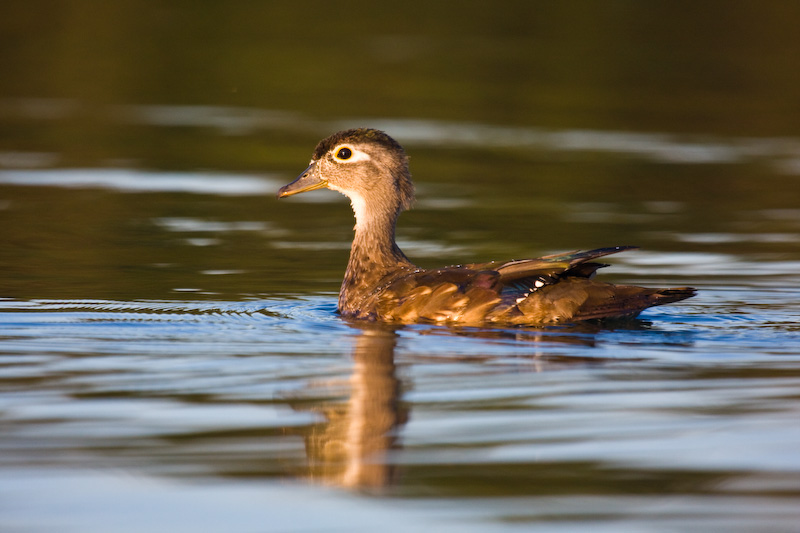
{"x": 366, "y": 165}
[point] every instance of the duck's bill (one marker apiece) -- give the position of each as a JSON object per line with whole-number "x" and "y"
{"x": 309, "y": 180}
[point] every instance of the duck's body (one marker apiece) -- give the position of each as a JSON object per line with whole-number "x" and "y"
{"x": 381, "y": 283}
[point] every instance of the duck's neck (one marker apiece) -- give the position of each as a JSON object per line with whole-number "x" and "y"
{"x": 374, "y": 256}
{"x": 375, "y": 249}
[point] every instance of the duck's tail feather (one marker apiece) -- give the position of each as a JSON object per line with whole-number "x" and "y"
{"x": 629, "y": 301}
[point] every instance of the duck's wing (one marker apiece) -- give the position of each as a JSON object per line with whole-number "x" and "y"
{"x": 476, "y": 293}
{"x": 559, "y": 288}
{"x": 525, "y": 273}
{"x": 555, "y": 288}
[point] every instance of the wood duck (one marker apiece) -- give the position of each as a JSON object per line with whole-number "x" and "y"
{"x": 381, "y": 284}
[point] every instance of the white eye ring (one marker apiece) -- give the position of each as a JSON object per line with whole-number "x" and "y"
{"x": 345, "y": 153}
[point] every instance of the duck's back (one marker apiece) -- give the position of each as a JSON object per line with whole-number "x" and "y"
{"x": 546, "y": 290}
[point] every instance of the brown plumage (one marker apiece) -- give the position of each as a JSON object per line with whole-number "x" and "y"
{"x": 380, "y": 283}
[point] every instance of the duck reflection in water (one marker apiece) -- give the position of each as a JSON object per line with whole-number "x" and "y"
{"x": 351, "y": 449}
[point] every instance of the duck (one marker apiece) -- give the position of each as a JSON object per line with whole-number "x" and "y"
{"x": 382, "y": 285}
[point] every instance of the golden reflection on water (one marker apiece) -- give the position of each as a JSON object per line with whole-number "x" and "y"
{"x": 351, "y": 449}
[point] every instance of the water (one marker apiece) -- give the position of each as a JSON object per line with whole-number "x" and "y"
{"x": 687, "y": 418}
{"x": 170, "y": 355}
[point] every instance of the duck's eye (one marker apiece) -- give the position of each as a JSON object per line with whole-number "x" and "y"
{"x": 344, "y": 154}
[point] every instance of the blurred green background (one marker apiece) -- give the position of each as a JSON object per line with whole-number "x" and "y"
{"x": 688, "y": 67}
{"x": 532, "y": 127}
